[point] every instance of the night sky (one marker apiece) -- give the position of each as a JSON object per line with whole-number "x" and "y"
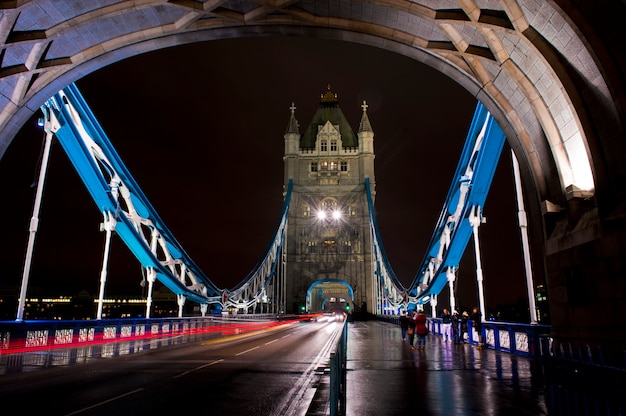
{"x": 201, "y": 128}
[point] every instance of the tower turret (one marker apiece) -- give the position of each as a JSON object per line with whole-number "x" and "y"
{"x": 292, "y": 144}
{"x": 366, "y": 149}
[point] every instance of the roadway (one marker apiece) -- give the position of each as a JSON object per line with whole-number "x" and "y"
{"x": 271, "y": 372}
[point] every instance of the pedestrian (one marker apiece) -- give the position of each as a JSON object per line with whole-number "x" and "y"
{"x": 421, "y": 330}
{"x": 456, "y": 330}
{"x": 404, "y": 324}
{"x": 477, "y": 325}
{"x": 446, "y": 325}
{"x": 464, "y": 318}
{"x": 410, "y": 332}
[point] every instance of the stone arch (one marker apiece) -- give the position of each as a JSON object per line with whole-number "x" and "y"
{"x": 334, "y": 288}
{"x": 552, "y": 73}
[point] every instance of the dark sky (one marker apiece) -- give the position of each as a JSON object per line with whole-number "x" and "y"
{"x": 201, "y": 128}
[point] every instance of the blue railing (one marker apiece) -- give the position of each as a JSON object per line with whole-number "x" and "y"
{"x": 580, "y": 380}
{"x": 338, "y": 374}
{"x": 514, "y": 338}
{"x": 26, "y": 345}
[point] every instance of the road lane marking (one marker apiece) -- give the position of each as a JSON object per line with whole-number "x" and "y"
{"x": 246, "y": 351}
{"x": 104, "y": 402}
{"x": 295, "y": 398}
{"x": 271, "y": 342}
{"x": 199, "y": 368}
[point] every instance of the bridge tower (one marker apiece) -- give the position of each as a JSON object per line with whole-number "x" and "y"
{"x": 329, "y": 249}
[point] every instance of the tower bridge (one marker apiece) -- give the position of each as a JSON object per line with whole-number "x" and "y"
{"x": 326, "y": 253}
{"x": 552, "y": 75}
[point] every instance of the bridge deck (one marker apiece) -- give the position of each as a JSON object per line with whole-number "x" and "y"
{"x": 386, "y": 378}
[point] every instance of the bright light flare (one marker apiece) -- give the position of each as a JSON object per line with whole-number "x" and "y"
{"x": 323, "y": 215}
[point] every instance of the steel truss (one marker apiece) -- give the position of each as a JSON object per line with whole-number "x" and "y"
{"x": 128, "y": 213}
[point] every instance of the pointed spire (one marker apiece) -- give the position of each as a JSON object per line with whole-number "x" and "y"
{"x": 365, "y": 121}
{"x": 293, "y": 126}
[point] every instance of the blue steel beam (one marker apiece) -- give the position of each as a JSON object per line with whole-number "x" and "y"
{"x": 466, "y": 197}
{"x": 253, "y": 286}
{"x": 137, "y": 223}
{"x": 393, "y": 294}
{"x": 114, "y": 191}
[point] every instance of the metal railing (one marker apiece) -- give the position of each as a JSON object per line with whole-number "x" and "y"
{"x": 338, "y": 374}
{"x": 28, "y": 345}
{"x": 578, "y": 379}
{"x": 514, "y": 338}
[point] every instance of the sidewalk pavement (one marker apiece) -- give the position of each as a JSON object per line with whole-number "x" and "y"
{"x": 386, "y": 378}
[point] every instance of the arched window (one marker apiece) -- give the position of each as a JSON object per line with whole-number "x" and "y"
{"x": 312, "y": 247}
{"x": 346, "y": 247}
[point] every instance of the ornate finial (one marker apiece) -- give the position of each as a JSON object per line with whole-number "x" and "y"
{"x": 364, "y": 106}
{"x": 293, "y": 108}
{"x": 329, "y": 97}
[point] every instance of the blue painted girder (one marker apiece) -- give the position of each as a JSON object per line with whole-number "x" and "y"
{"x": 475, "y": 171}
{"x": 381, "y": 265}
{"x": 74, "y": 115}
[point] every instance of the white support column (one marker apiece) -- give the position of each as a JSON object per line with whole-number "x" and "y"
{"x": 108, "y": 225}
{"x": 476, "y": 219}
{"x": 451, "y": 275}
{"x": 381, "y": 298}
{"x": 433, "y": 305}
{"x": 281, "y": 297}
{"x": 204, "y": 307}
{"x": 523, "y": 225}
{"x": 151, "y": 272}
{"x": 181, "y": 302}
{"x": 34, "y": 222}
{"x": 151, "y": 279}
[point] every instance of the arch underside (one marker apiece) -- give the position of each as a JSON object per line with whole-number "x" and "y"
{"x": 507, "y": 54}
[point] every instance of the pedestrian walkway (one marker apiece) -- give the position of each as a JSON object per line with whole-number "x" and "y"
{"x": 386, "y": 378}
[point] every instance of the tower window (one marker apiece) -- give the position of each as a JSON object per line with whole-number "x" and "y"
{"x": 333, "y": 145}
{"x": 332, "y": 165}
{"x": 343, "y": 166}
{"x": 346, "y": 247}
{"x": 324, "y": 146}
{"x": 306, "y": 212}
{"x": 324, "y": 165}
{"x": 314, "y": 166}
{"x": 312, "y": 247}
{"x": 329, "y": 203}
